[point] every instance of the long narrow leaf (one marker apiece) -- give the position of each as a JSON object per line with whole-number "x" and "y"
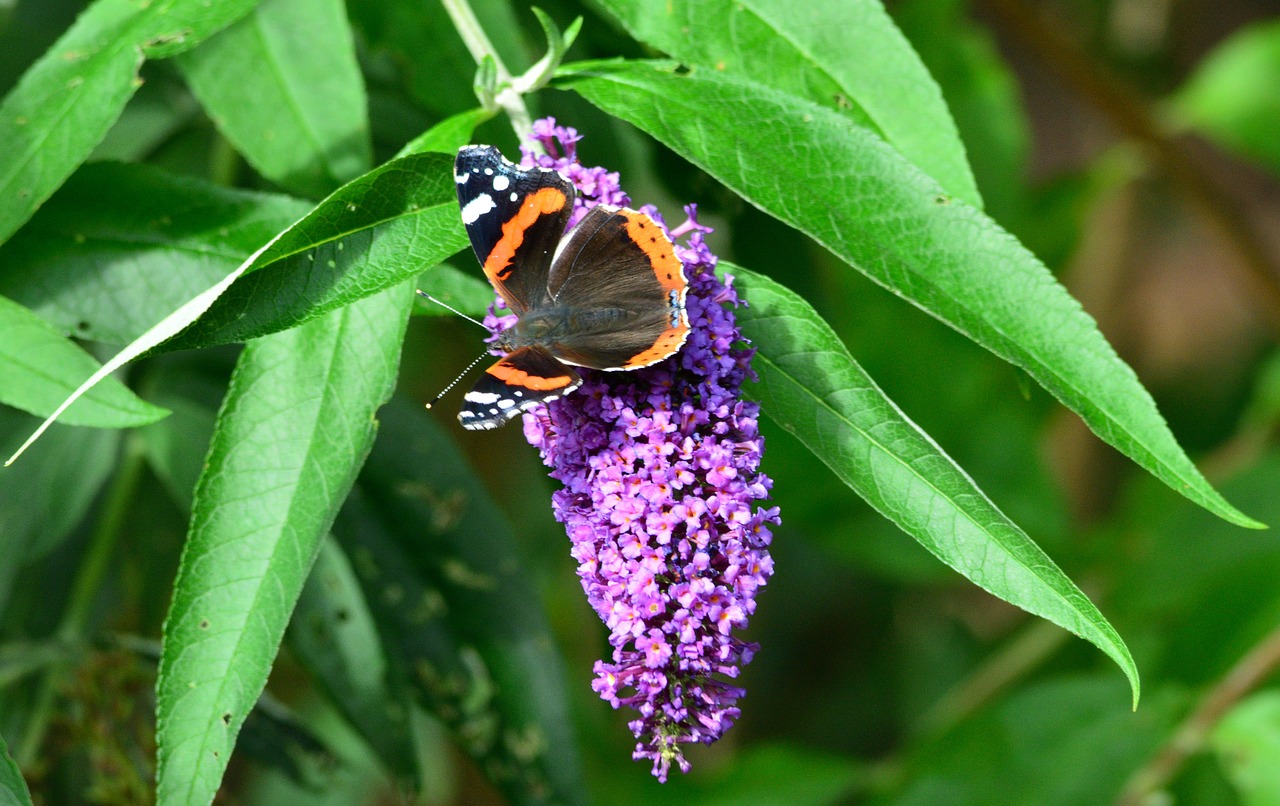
{"x": 109, "y": 271}
{"x": 376, "y": 231}
{"x": 811, "y": 386}
{"x": 333, "y": 633}
{"x": 297, "y": 424}
{"x": 13, "y": 790}
{"x": 283, "y": 85}
{"x": 39, "y": 367}
{"x": 64, "y": 104}
{"x": 845, "y": 56}
{"x": 842, "y": 185}
{"x": 469, "y": 629}
{"x": 388, "y": 226}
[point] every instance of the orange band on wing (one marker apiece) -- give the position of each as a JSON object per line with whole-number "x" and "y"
{"x": 658, "y": 248}
{"x": 671, "y": 340}
{"x": 670, "y": 273}
{"x": 517, "y": 377}
{"x": 547, "y": 200}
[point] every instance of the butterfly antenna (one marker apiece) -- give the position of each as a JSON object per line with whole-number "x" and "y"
{"x": 447, "y": 306}
{"x": 461, "y": 375}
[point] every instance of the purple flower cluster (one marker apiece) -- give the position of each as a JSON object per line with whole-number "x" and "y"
{"x": 660, "y": 468}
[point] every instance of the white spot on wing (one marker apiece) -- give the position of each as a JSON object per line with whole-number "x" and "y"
{"x": 477, "y": 207}
{"x": 461, "y": 178}
{"x": 501, "y": 183}
{"x": 481, "y": 398}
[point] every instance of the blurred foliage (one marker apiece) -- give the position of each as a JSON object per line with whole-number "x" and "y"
{"x": 368, "y": 604}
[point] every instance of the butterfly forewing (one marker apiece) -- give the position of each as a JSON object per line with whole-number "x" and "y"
{"x": 619, "y": 261}
{"x": 515, "y": 218}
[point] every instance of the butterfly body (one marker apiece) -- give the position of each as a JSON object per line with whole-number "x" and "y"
{"x": 608, "y": 295}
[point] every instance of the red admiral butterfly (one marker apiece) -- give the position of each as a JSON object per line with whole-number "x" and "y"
{"x": 609, "y": 294}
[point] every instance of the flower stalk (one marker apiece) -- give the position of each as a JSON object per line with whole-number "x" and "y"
{"x": 660, "y": 468}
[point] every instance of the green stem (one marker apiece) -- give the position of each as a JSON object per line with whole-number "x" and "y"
{"x": 84, "y": 592}
{"x": 510, "y": 101}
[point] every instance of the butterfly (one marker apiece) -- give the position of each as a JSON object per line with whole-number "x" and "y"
{"x": 609, "y": 294}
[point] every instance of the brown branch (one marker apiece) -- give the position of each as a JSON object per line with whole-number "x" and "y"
{"x": 1130, "y": 113}
{"x": 1250, "y": 672}
{"x": 1040, "y": 640}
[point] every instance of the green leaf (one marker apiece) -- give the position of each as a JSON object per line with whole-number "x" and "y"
{"x": 983, "y": 96}
{"x": 334, "y": 635}
{"x": 283, "y": 86}
{"x": 13, "y": 790}
{"x": 812, "y": 387}
{"x": 176, "y": 446}
{"x": 1232, "y": 95}
{"x": 1248, "y": 744}
{"x": 448, "y": 135}
{"x": 158, "y": 112}
{"x": 843, "y": 56}
{"x": 464, "y": 291}
{"x": 395, "y": 220}
{"x": 109, "y": 271}
{"x": 331, "y": 631}
{"x": 897, "y": 226}
{"x": 297, "y": 424}
{"x": 40, "y": 367}
{"x": 65, "y": 102}
{"x": 41, "y": 503}
{"x": 377, "y": 231}
{"x": 1060, "y": 742}
{"x": 445, "y": 579}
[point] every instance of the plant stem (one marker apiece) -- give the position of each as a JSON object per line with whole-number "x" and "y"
{"x": 1023, "y": 654}
{"x": 84, "y": 592}
{"x": 1250, "y": 672}
{"x": 469, "y": 28}
{"x": 1129, "y": 113}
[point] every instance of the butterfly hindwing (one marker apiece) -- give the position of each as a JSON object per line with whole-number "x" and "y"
{"x": 525, "y": 377}
{"x": 515, "y": 218}
{"x": 619, "y": 272}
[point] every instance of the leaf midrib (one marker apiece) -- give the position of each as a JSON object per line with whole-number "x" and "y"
{"x": 1160, "y": 465}
{"x": 102, "y": 400}
{"x": 304, "y": 123}
{"x": 121, "y": 43}
{"x": 748, "y": 5}
{"x": 996, "y": 540}
{"x": 336, "y": 342}
{"x": 72, "y": 98}
{"x": 339, "y": 236}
